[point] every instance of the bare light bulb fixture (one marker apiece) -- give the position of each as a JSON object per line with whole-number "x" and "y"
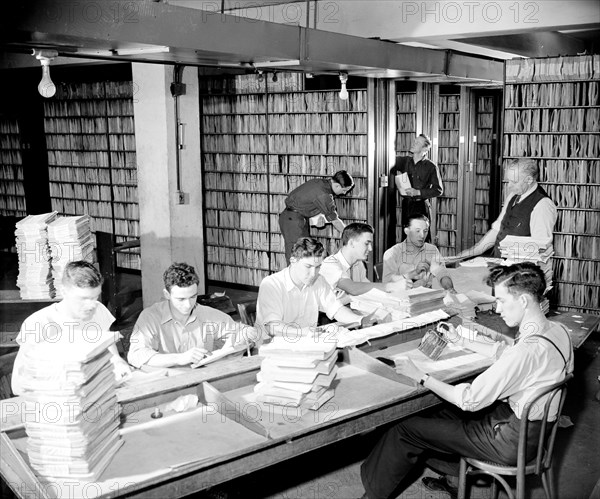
{"x": 46, "y": 87}
{"x": 344, "y": 90}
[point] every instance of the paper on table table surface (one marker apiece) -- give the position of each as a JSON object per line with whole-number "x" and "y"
{"x": 480, "y": 261}
{"x": 448, "y": 360}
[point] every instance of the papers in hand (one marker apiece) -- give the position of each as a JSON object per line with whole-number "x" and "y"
{"x": 403, "y": 183}
{"x": 220, "y": 354}
{"x": 318, "y": 221}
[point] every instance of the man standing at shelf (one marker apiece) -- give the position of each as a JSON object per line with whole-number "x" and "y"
{"x": 310, "y": 199}
{"x": 293, "y": 297}
{"x": 414, "y": 260}
{"x": 481, "y": 419}
{"x": 345, "y": 271}
{"x": 527, "y": 211}
{"x": 178, "y": 331}
{"x": 77, "y": 318}
{"x": 425, "y": 184}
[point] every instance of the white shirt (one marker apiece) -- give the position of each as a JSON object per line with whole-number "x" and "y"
{"x": 402, "y": 258}
{"x": 335, "y": 268}
{"x": 542, "y": 219}
{"x": 521, "y": 370}
{"x": 280, "y": 301}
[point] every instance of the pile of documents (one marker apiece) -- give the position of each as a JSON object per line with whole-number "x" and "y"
{"x": 420, "y": 300}
{"x": 528, "y": 249}
{"x": 298, "y": 372}
{"x": 69, "y": 239}
{"x": 34, "y": 279}
{"x": 72, "y": 412}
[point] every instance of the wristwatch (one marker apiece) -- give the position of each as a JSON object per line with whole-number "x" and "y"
{"x": 423, "y": 379}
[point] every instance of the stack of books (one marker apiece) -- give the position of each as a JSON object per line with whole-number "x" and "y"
{"x": 34, "y": 279}
{"x": 73, "y": 415}
{"x": 297, "y": 373}
{"x": 420, "y": 300}
{"x": 69, "y": 239}
{"x": 527, "y": 249}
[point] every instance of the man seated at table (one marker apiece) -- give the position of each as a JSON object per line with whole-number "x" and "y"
{"x": 542, "y": 355}
{"x": 178, "y": 331}
{"x": 345, "y": 271}
{"x": 78, "y": 317}
{"x": 415, "y": 260}
{"x": 294, "y": 296}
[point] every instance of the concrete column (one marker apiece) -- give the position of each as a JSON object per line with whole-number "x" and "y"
{"x": 171, "y": 231}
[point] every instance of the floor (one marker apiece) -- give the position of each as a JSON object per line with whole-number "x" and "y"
{"x": 333, "y": 472}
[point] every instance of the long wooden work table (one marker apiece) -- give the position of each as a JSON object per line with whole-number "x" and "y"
{"x": 230, "y": 434}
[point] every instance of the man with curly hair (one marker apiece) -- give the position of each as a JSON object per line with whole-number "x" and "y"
{"x": 178, "y": 331}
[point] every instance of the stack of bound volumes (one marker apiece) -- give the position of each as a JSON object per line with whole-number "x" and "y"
{"x": 35, "y": 279}
{"x": 527, "y": 249}
{"x": 420, "y": 300}
{"x": 297, "y": 373}
{"x": 71, "y": 405}
{"x": 69, "y": 239}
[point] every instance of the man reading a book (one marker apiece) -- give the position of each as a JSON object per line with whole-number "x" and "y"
{"x": 313, "y": 197}
{"x": 78, "y": 317}
{"x": 481, "y": 419}
{"x": 425, "y": 184}
{"x": 527, "y": 211}
{"x": 178, "y": 331}
{"x": 414, "y": 260}
{"x": 294, "y": 296}
{"x": 345, "y": 271}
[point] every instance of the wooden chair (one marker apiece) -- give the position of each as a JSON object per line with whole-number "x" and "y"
{"x": 378, "y": 270}
{"x": 540, "y": 465}
{"x": 247, "y": 313}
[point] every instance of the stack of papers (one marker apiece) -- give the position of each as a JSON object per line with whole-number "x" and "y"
{"x": 527, "y": 249}
{"x": 297, "y": 373}
{"x": 420, "y": 300}
{"x": 72, "y": 413}
{"x": 462, "y": 303}
{"x": 69, "y": 239}
{"x": 34, "y": 279}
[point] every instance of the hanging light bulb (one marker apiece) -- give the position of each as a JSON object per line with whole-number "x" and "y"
{"x": 344, "y": 90}
{"x": 260, "y": 75}
{"x": 46, "y": 87}
{"x": 275, "y": 77}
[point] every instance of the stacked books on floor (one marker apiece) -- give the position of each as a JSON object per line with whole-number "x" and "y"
{"x": 72, "y": 412}
{"x": 420, "y": 300}
{"x": 34, "y": 279}
{"x": 298, "y": 373}
{"x": 528, "y": 249}
{"x": 69, "y": 239}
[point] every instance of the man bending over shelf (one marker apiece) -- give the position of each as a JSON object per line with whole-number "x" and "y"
{"x": 527, "y": 211}
{"x": 414, "y": 260}
{"x": 178, "y": 331}
{"x": 312, "y": 198}
{"x": 345, "y": 271}
{"x": 541, "y": 356}
{"x": 294, "y": 296}
{"x": 78, "y": 317}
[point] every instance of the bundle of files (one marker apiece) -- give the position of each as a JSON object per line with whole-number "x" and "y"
{"x": 34, "y": 279}
{"x": 420, "y": 300}
{"x": 72, "y": 412}
{"x": 297, "y": 373}
{"x": 518, "y": 249}
{"x": 69, "y": 239}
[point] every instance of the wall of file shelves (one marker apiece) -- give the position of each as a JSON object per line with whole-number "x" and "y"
{"x": 12, "y": 200}
{"x": 258, "y": 144}
{"x": 90, "y": 139}
{"x": 483, "y": 163}
{"x": 446, "y": 214}
{"x": 552, "y": 112}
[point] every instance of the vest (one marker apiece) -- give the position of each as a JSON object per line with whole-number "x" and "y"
{"x": 516, "y": 221}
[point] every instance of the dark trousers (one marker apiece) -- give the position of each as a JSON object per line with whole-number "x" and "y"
{"x": 491, "y": 434}
{"x": 293, "y": 226}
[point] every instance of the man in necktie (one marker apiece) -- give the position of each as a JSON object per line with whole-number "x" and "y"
{"x": 527, "y": 211}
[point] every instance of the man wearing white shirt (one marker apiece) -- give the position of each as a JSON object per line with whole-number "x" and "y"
{"x": 542, "y": 355}
{"x": 345, "y": 271}
{"x": 528, "y": 210}
{"x": 294, "y": 296}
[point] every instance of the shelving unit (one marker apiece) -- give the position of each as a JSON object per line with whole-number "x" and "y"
{"x": 91, "y": 158}
{"x": 483, "y": 164}
{"x": 446, "y": 214}
{"x": 258, "y": 144}
{"x": 552, "y": 113}
{"x": 12, "y": 201}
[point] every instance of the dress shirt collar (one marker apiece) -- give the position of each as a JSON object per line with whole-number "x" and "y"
{"x": 287, "y": 280}
{"x": 342, "y": 259}
{"x": 166, "y": 314}
{"x": 528, "y": 192}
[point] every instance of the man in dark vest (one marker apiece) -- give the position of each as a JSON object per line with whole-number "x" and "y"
{"x": 527, "y": 211}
